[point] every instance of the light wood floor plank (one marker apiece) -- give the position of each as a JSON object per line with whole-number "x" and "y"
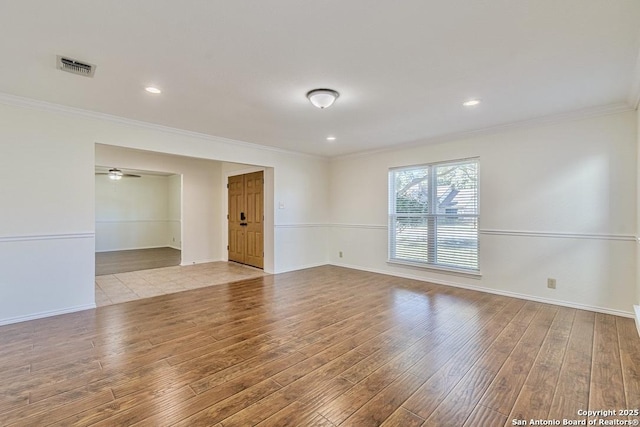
{"x": 536, "y": 396}
{"x": 423, "y": 359}
{"x": 402, "y": 418}
{"x": 483, "y": 416}
{"x": 462, "y": 400}
{"x": 630, "y": 359}
{"x": 325, "y": 346}
{"x": 504, "y": 389}
{"x": 573, "y": 384}
{"x": 606, "y": 390}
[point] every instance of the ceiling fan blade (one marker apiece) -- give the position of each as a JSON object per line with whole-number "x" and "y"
{"x": 124, "y": 175}
{"x": 116, "y": 174}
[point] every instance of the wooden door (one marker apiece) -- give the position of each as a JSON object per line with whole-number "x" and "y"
{"x": 246, "y": 219}
{"x": 236, "y": 206}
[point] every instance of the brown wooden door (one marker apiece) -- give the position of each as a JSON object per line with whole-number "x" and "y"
{"x": 236, "y": 206}
{"x": 246, "y": 215}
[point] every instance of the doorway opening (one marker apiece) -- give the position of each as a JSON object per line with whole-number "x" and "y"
{"x": 203, "y": 237}
{"x": 138, "y": 220}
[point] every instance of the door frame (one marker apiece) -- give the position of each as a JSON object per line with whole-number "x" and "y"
{"x": 269, "y": 243}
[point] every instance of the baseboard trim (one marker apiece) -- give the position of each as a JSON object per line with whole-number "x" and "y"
{"x": 636, "y": 308}
{"x": 44, "y": 314}
{"x": 135, "y": 249}
{"x": 498, "y": 292}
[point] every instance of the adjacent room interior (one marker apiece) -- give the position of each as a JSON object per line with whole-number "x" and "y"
{"x": 321, "y": 213}
{"x": 139, "y": 224}
{"x": 138, "y": 220}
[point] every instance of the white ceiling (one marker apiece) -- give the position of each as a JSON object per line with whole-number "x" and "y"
{"x": 240, "y": 69}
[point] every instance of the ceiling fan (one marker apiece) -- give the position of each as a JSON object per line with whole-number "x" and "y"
{"x": 116, "y": 174}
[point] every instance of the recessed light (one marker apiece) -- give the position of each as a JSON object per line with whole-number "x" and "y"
{"x": 153, "y": 90}
{"x": 331, "y": 138}
{"x": 471, "y": 103}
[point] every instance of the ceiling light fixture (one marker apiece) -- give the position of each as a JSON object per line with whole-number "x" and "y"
{"x": 322, "y": 98}
{"x": 471, "y": 103}
{"x": 331, "y": 138}
{"x": 153, "y": 90}
{"x": 115, "y": 174}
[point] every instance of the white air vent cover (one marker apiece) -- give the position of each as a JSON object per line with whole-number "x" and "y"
{"x": 74, "y": 66}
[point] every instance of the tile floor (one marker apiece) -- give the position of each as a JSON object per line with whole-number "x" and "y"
{"x": 122, "y": 287}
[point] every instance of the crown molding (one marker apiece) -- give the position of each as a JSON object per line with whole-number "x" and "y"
{"x": 19, "y": 101}
{"x": 633, "y": 100}
{"x": 601, "y": 110}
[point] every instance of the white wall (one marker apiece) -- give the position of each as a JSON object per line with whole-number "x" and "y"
{"x": 135, "y": 213}
{"x": 637, "y": 300}
{"x": 200, "y": 197}
{"x": 303, "y": 243}
{"x": 47, "y": 215}
{"x": 556, "y": 200}
{"x": 47, "y": 234}
{"x": 302, "y": 214}
{"x": 297, "y": 236}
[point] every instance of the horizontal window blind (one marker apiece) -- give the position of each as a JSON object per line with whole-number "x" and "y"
{"x": 433, "y": 215}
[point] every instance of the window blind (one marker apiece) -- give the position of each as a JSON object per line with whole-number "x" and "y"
{"x": 433, "y": 215}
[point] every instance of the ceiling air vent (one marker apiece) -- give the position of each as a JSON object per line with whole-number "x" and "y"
{"x": 74, "y": 66}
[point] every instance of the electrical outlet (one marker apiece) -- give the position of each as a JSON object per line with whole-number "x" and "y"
{"x": 340, "y": 254}
{"x": 551, "y": 283}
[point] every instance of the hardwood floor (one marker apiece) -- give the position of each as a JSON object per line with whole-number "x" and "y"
{"x": 320, "y": 347}
{"x": 135, "y": 260}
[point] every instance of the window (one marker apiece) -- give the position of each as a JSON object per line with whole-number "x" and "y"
{"x": 433, "y": 215}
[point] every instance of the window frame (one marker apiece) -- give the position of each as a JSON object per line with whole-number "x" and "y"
{"x": 431, "y": 217}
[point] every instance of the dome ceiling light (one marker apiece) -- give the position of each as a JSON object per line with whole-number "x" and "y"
{"x": 322, "y": 98}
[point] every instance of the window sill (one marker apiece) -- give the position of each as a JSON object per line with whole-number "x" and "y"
{"x": 454, "y": 271}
